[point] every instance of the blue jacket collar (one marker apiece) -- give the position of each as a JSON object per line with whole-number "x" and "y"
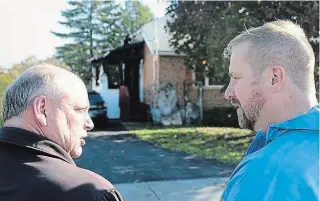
{"x": 308, "y": 120}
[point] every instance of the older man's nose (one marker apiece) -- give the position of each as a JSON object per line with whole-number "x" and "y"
{"x": 89, "y": 124}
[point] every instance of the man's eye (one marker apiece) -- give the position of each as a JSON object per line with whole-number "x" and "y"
{"x": 236, "y": 78}
{"x": 81, "y": 110}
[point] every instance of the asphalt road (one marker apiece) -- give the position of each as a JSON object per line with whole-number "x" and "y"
{"x": 123, "y": 158}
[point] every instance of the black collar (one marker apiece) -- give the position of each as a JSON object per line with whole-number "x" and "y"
{"x": 28, "y": 139}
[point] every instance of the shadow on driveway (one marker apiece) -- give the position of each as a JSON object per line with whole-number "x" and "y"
{"x": 122, "y": 157}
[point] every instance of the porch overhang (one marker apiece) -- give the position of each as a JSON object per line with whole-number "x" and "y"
{"x": 118, "y": 55}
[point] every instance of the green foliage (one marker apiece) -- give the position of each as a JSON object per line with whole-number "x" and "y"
{"x": 134, "y": 16}
{"x": 31, "y": 61}
{"x": 96, "y": 26}
{"x": 202, "y": 29}
{"x": 87, "y": 21}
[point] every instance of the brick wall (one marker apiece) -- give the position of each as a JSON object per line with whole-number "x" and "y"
{"x": 172, "y": 69}
{"x": 211, "y": 98}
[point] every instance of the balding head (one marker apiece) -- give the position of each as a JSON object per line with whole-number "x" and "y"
{"x": 51, "y": 102}
{"x": 44, "y": 79}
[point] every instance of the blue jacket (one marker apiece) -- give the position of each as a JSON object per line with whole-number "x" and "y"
{"x": 280, "y": 165}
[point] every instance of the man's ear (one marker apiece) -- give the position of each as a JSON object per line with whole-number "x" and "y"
{"x": 277, "y": 77}
{"x": 39, "y": 105}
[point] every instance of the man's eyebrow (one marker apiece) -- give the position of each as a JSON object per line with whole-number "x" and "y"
{"x": 79, "y": 106}
{"x": 233, "y": 74}
{"x": 85, "y": 107}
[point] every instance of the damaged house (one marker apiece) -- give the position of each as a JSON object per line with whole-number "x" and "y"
{"x": 125, "y": 76}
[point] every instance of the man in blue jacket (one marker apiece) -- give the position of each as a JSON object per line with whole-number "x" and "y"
{"x": 272, "y": 86}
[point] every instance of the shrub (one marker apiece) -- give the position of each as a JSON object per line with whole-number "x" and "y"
{"x": 221, "y": 117}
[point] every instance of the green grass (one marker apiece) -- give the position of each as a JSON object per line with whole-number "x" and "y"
{"x": 226, "y": 145}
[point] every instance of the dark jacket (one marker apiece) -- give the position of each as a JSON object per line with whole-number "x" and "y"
{"x": 33, "y": 168}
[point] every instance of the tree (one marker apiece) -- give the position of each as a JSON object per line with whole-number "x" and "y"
{"x": 96, "y": 26}
{"x": 202, "y": 30}
{"x": 129, "y": 20}
{"x": 89, "y": 22}
{"x": 30, "y": 61}
{"x": 134, "y": 16}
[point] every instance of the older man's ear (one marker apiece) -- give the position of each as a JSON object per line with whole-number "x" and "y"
{"x": 39, "y": 109}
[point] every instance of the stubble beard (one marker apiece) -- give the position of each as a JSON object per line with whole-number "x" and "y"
{"x": 249, "y": 115}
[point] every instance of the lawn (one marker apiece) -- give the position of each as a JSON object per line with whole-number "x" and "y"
{"x": 226, "y": 145}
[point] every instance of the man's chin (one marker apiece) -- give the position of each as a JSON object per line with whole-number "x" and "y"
{"x": 242, "y": 123}
{"x": 76, "y": 152}
{"x": 243, "y": 120}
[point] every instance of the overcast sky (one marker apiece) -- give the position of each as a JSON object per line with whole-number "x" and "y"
{"x": 25, "y": 27}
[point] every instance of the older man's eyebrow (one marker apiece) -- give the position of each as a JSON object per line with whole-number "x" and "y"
{"x": 82, "y": 107}
{"x": 75, "y": 106}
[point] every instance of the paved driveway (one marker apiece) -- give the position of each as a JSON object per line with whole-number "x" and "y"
{"x": 122, "y": 158}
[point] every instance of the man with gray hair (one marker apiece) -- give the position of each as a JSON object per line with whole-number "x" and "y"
{"x": 46, "y": 120}
{"x": 272, "y": 86}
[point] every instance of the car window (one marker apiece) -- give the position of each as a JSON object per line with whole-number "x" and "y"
{"x": 95, "y": 99}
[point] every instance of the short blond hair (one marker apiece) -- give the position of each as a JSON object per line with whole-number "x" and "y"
{"x": 280, "y": 42}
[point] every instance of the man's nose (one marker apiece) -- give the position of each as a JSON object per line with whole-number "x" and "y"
{"x": 229, "y": 93}
{"x": 89, "y": 124}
